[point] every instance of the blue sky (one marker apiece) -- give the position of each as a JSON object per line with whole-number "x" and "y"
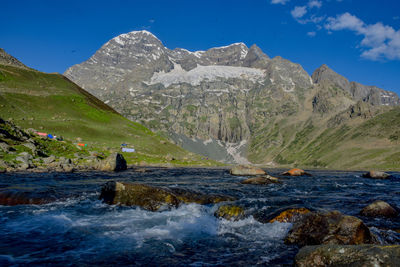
{"x": 358, "y": 39}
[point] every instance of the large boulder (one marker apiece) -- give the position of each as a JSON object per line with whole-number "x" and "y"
{"x": 290, "y": 215}
{"x": 153, "y": 198}
{"x": 376, "y": 175}
{"x": 13, "y": 198}
{"x": 329, "y": 228}
{"x": 379, "y": 208}
{"x": 247, "y": 170}
{"x": 261, "y": 180}
{"x": 114, "y": 162}
{"x": 230, "y": 212}
{"x": 340, "y": 255}
{"x": 295, "y": 172}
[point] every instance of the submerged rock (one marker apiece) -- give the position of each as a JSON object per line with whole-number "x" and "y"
{"x": 246, "y": 170}
{"x": 153, "y": 198}
{"x": 340, "y": 255}
{"x": 114, "y": 162}
{"x": 290, "y": 215}
{"x": 329, "y": 228}
{"x": 230, "y": 212}
{"x": 376, "y": 175}
{"x": 13, "y": 198}
{"x": 379, "y": 208}
{"x": 296, "y": 172}
{"x": 266, "y": 179}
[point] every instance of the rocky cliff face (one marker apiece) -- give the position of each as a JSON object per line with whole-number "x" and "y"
{"x": 6, "y": 59}
{"x": 226, "y": 102}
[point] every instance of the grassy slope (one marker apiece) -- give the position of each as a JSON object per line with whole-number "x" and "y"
{"x": 306, "y": 140}
{"x": 51, "y": 103}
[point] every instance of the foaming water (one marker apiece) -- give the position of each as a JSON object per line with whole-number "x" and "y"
{"x": 78, "y": 229}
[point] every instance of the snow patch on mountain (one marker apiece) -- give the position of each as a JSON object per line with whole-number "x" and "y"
{"x": 209, "y": 73}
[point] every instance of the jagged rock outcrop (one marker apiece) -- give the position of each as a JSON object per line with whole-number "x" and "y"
{"x": 371, "y": 94}
{"x": 7, "y": 59}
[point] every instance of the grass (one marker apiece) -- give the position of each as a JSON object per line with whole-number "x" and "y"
{"x": 53, "y": 104}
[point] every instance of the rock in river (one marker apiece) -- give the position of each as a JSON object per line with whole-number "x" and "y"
{"x": 329, "y": 228}
{"x": 266, "y": 179}
{"x": 376, "y": 175}
{"x": 230, "y": 212}
{"x": 379, "y": 208}
{"x": 339, "y": 255}
{"x": 114, "y": 162}
{"x": 296, "y": 172}
{"x": 246, "y": 170}
{"x": 153, "y": 198}
{"x": 290, "y": 215}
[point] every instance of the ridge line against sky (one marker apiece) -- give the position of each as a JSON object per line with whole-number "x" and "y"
{"x": 358, "y": 39}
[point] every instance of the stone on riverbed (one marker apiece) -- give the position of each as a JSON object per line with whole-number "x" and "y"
{"x": 340, "y": 255}
{"x": 329, "y": 228}
{"x": 246, "y": 170}
{"x": 296, "y": 172}
{"x": 376, "y": 175}
{"x": 261, "y": 180}
{"x": 290, "y": 215}
{"x": 379, "y": 208}
{"x": 230, "y": 212}
{"x": 153, "y": 198}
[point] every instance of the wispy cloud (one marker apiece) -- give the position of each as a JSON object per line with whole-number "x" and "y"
{"x": 311, "y": 34}
{"x": 379, "y": 41}
{"x": 282, "y": 2}
{"x": 315, "y": 3}
{"x": 298, "y": 12}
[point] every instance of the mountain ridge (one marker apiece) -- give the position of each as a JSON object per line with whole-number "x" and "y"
{"x": 232, "y": 98}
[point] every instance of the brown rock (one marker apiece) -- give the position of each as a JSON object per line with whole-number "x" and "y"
{"x": 114, "y": 162}
{"x": 329, "y": 228}
{"x": 153, "y": 198}
{"x": 296, "y": 172}
{"x": 230, "y": 212}
{"x": 261, "y": 180}
{"x": 355, "y": 255}
{"x": 246, "y": 170}
{"x": 379, "y": 208}
{"x": 290, "y": 215}
{"x": 376, "y": 175}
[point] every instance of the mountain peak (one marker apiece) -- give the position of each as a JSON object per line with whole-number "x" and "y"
{"x": 7, "y": 59}
{"x": 324, "y": 74}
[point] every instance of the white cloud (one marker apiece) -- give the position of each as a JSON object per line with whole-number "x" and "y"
{"x": 311, "y": 34}
{"x": 299, "y": 11}
{"x": 282, "y": 2}
{"x": 380, "y": 41}
{"x": 314, "y": 3}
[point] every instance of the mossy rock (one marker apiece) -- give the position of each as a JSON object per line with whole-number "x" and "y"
{"x": 230, "y": 212}
{"x": 153, "y": 198}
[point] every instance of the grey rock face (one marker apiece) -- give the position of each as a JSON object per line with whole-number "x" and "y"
{"x": 6, "y": 59}
{"x": 371, "y": 94}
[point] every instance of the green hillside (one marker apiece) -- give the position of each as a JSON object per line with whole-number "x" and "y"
{"x": 53, "y": 104}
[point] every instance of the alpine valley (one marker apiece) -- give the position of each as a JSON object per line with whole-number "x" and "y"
{"x": 236, "y": 104}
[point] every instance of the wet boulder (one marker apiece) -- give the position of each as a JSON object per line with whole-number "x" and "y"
{"x": 376, "y": 175}
{"x": 114, "y": 162}
{"x": 261, "y": 180}
{"x": 153, "y": 198}
{"x": 379, "y": 208}
{"x": 188, "y": 196}
{"x": 296, "y": 172}
{"x": 329, "y": 228}
{"x": 290, "y": 215}
{"x": 230, "y": 212}
{"x": 13, "y": 198}
{"x": 247, "y": 170}
{"x": 341, "y": 255}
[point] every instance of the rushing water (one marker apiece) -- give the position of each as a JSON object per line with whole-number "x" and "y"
{"x": 78, "y": 229}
